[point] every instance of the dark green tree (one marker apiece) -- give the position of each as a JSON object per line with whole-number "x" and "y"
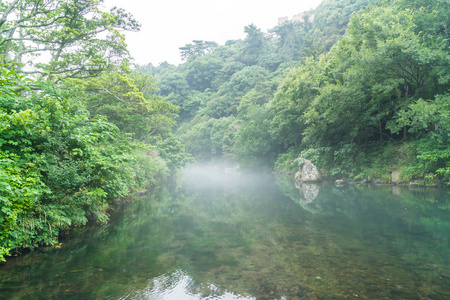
{"x": 255, "y": 45}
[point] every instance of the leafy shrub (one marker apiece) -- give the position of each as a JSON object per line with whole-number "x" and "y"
{"x": 59, "y": 166}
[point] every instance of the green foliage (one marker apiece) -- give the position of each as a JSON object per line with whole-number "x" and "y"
{"x": 196, "y": 49}
{"x": 254, "y": 45}
{"x": 433, "y": 162}
{"x": 351, "y": 84}
{"x": 331, "y": 18}
{"x": 60, "y": 165}
{"x": 430, "y": 118}
{"x": 291, "y": 101}
{"x": 149, "y": 168}
{"x": 369, "y": 88}
{"x": 79, "y": 39}
{"x": 128, "y": 100}
{"x": 254, "y": 147}
{"x": 290, "y": 39}
{"x": 20, "y": 189}
{"x": 287, "y": 162}
{"x": 208, "y": 138}
{"x": 69, "y": 148}
{"x": 201, "y": 72}
{"x": 172, "y": 151}
{"x": 230, "y": 94}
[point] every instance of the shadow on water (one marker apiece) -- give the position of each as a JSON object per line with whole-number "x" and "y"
{"x": 219, "y": 234}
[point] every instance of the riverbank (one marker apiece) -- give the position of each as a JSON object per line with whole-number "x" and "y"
{"x": 407, "y": 163}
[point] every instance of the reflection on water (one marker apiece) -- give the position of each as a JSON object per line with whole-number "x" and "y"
{"x": 221, "y": 235}
{"x": 179, "y": 285}
{"x": 308, "y": 191}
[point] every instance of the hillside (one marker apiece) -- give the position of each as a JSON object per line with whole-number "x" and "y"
{"x": 358, "y": 87}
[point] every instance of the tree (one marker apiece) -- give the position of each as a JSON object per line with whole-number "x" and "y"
{"x": 289, "y": 40}
{"x": 331, "y": 18}
{"x": 62, "y": 38}
{"x": 254, "y": 146}
{"x": 254, "y": 45}
{"x": 59, "y": 165}
{"x": 201, "y": 72}
{"x": 208, "y": 138}
{"x": 197, "y": 49}
{"x": 228, "y": 97}
{"x": 292, "y": 99}
{"x": 129, "y": 101}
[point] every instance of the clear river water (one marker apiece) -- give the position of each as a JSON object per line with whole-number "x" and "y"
{"x": 219, "y": 235}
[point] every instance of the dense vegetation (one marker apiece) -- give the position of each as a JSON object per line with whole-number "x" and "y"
{"x": 78, "y": 128}
{"x": 359, "y": 87}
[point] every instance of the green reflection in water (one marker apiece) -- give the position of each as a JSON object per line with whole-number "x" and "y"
{"x": 225, "y": 236}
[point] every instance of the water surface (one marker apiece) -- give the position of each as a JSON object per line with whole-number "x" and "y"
{"x": 221, "y": 235}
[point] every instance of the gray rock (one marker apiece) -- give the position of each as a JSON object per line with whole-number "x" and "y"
{"x": 308, "y": 172}
{"x": 413, "y": 184}
{"x": 298, "y": 176}
{"x": 339, "y": 182}
{"x": 395, "y": 177}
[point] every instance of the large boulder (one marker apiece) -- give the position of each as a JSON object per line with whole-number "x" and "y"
{"x": 395, "y": 177}
{"x": 308, "y": 172}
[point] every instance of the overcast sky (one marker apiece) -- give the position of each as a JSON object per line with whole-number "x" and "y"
{"x": 170, "y": 24}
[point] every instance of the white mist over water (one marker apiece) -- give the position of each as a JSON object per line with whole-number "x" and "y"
{"x": 212, "y": 175}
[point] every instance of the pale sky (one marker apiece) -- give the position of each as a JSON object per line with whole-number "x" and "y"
{"x": 170, "y": 24}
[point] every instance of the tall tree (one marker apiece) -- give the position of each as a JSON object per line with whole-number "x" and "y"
{"x": 289, "y": 39}
{"x": 65, "y": 38}
{"x": 254, "y": 44}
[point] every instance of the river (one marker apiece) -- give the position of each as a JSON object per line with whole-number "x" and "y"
{"x": 221, "y": 235}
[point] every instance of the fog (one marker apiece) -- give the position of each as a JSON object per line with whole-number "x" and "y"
{"x": 206, "y": 175}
